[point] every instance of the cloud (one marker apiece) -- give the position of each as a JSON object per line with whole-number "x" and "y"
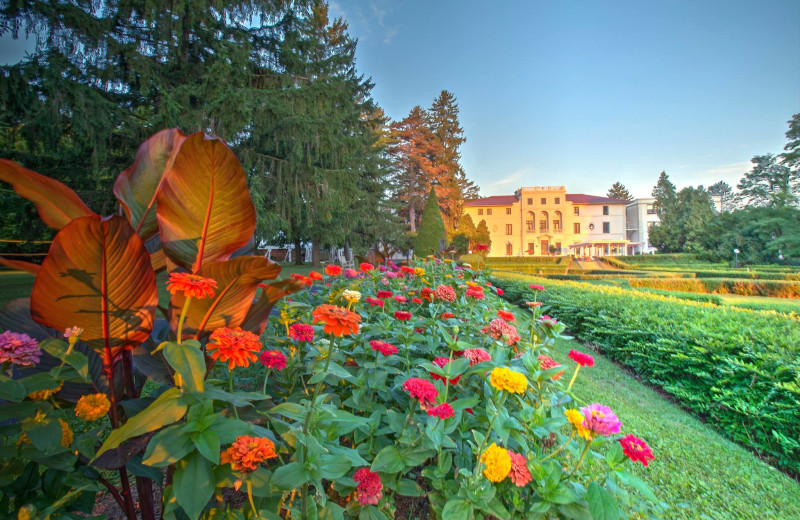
{"x": 380, "y": 9}
{"x": 507, "y": 184}
{"x": 726, "y": 169}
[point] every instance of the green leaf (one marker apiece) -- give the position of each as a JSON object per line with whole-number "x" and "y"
{"x": 388, "y": 460}
{"x": 332, "y": 466}
{"x": 408, "y": 488}
{"x": 339, "y": 371}
{"x": 602, "y": 504}
{"x": 168, "y": 446}
{"x": 11, "y": 390}
{"x": 188, "y": 361}
{"x": 237, "y": 399}
{"x": 331, "y": 511}
{"x": 80, "y": 363}
{"x": 575, "y": 511}
{"x": 290, "y": 410}
{"x": 456, "y": 509}
{"x": 638, "y": 484}
{"x": 207, "y": 443}
{"x": 45, "y": 434}
{"x": 193, "y": 484}
{"x": 290, "y": 476}
{"x": 167, "y": 409}
{"x": 371, "y": 513}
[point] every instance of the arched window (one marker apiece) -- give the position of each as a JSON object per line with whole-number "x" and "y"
{"x": 530, "y": 226}
{"x": 557, "y": 221}
{"x": 544, "y": 222}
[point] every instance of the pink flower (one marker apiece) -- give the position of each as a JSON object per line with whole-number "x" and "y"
{"x": 547, "y": 321}
{"x": 375, "y": 302}
{"x": 501, "y": 329}
{"x": 519, "y": 474}
{"x": 476, "y": 355}
{"x": 475, "y": 291}
{"x": 422, "y": 390}
{"x": 384, "y": 348}
{"x": 636, "y": 449}
{"x": 273, "y": 359}
{"x": 369, "y": 489}
{"x": 446, "y": 293}
{"x": 350, "y": 273}
{"x": 443, "y": 411}
{"x": 600, "y": 420}
{"x": 400, "y": 299}
{"x": 19, "y": 349}
{"x": 536, "y": 287}
{"x": 584, "y": 360}
{"x": 301, "y": 332}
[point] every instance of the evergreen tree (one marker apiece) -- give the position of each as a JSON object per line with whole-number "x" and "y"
{"x": 619, "y": 191}
{"x": 482, "y": 235}
{"x": 724, "y": 191}
{"x": 665, "y": 194}
{"x": 464, "y": 235}
{"x": 791, "y": 154}
{"x": 432, "y": 234}
{"x": 769, "y": 183}
{"x": 684, "y": 222}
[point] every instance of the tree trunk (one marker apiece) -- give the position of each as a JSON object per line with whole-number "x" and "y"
{"x": 315, "y": 262}
{"x": 298, "y": 257}
{"x": 412, "y": 218}
{"x": 347, "y": 251}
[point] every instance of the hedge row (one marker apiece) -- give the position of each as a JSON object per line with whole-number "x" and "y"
{"x": 530, "y": 260}
{"x": 695, "y": 297}
{"x": 601, "y": 274}
{"x": 772, "y": 288}
{"x": 740, "y": 369}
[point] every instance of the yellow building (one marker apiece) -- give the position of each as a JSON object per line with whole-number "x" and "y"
{"x": 542, "y": 220}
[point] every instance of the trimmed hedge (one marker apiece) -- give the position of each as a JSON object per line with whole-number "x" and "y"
{"x": 772, "y": 288}
{"x": 738, "y": 368}
{"x": 615, "y": 262}
{"x": 532, "y": 260}
{"x": 695, "y": 297}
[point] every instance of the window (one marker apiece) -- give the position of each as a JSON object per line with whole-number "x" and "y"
{"x": 651, "y": 209}
{"x": 556, "y": 225}
{"x": 508, "y": 211}
{"x": 606, "y": 227}
{"x": 530, "y": 248}
{"x": 489, "y": 211}
{"x": 543, "y": 225}
{"x": 576, "y": 228}
{"x": 509, "y": 249}
{"x": 558, "y": 200}
{"x": 480, "y": 211}
{"x": 508, "y": 229}
{"x": 576, "y": 210}
{"x": 605, "y": 210}
{"x": 530, "y": 201}
{"x": 528, "y": 225}
{"x": 544, "y": 201}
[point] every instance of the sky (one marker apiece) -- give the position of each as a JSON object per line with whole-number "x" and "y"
{"x": 586, "y": 93}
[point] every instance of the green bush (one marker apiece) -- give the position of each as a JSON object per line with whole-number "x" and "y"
{"x": 615, "y": 262}
{"x": 737, "y": 368}
{"x": 695, "y": 297}
{"x": 772, "y": 288}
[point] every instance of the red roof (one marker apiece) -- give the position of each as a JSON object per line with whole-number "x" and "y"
{"x": 581, "y": 198}
{"x": 496, "y": 200}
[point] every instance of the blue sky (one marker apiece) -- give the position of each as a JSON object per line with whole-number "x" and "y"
{"x": 586, "y": 93}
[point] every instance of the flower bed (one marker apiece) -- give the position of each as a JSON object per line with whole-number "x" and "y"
{"x": 736, "y": 367}
{"x": 367, "y": 386}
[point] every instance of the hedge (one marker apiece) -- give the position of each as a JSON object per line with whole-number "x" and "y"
{"x": 695, "y": 297}
{"x": 532, "y": 260}
{"x": 739, "y": 369}
{"x": 772, "y": 288}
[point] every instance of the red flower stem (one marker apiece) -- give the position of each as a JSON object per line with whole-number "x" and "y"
{"x": 144, "y": 485}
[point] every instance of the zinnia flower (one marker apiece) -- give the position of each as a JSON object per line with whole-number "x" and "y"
{"x": 533, "y": 304}
{"x": 546, "y": 362}
{"x": 402, "y": 315}
{"x": 305, "y": 280}
{"x": 422, "y": 390}
{"x": 508, "y": 380}
{"x": 236, "y": 347}
{"x": 536, "y": 287}
{"x": 443, "y": 411}
{"x": 636, "y": 449}
{"x": 577, "y": 420}
{"x": 448, "y": 315}
{"x": 375, "y": 302}
{"x": 44, "y": 395}
{"x": 351, "y": 296}
{"x": 247, "y": 453}
{"x": 508, "y": 316}
{"x": 315, "y": 275}
{"x": 301, "y": 332}
{"x": 366, "y": 267}
{"x": 547, "y": 321}
{"x": 584, "y": 360}
{"x": 416, "y": 300}
{"x": 384, "y": 348}
{"x": 519, "y": 473}
{"x": 476, "y": 355}
{"x": 497, "y": 462}
{"x": 407, "y": 270}
{"x": 500, "y": 292}
{"x": 333, "y": 270}
{"x": 419, "y": 271}
{"x": 441, "y": 362}
{"x": 369, "y": 489}
{"x": 501, "y": 329}
{"x": 400, "y": 299}
{"x": 446, "y": 293}
{"x": 350, "y": 273}
{"x": 428, "y": 293}
{"x": 338, "y": 320}
{"x": 19, "y": 348}
{"x": 92, "y": 407}
{"x": 273, "y": 359}
{"x": 475, "y": 292}
{"x": 73, "y": 332}
{"x": 384, "y": 294}
{"x": 191, "y": 285}
{"x": 600, "y": 420}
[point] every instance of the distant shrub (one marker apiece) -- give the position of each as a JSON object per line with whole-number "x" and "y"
{"x": 773, "y": 288}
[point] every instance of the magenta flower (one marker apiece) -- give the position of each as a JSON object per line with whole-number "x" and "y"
{"x": 600, "y": 420}
{"x": 19, "y": 348}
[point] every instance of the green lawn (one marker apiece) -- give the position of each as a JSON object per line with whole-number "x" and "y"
{"x": 700, "y": 474}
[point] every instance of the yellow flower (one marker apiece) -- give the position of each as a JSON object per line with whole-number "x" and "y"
{"x": 508, "y": 380}
{"x": 92, "y": 407}
{"x": 419, "y": 271}
{"x": 27, "y": 512}
{"x": 44, "y": 395}
{"x": 497, "y": 462}
{"x": 576, "y": 418}
{"x": 66, "y": 434}
{"x": 351, "y": 296}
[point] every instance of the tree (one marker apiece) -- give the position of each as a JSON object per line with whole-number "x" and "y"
{"x": 464, "y": 235}
{"x": 432, "y": 234}
{"x": 762, "y": 234}
{"x": 684, "y": 222}
{"x": 791, "y": 154}
{"x": 664, "y": 193}
{"x": 724, "y": 191}
{"x": 619, "y": 191}
{"x": 482, "y": 235}
{"x": 769, "y": 183}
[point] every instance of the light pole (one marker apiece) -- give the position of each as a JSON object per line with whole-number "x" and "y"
{"x": 736, "y": 257}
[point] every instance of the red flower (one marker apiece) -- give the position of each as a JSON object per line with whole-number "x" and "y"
{"x": 314, "y": 275}
{"x": 301, "y": 332}
{"x": 338, "y": 320}
{"x": 384, "y": 348}
{"x": 366, "y": 267}
{"x": 533, "y": 304}
{"x": 508, "y": 316}
{"x": 443, "y": 411}
{"x": 501, "y": 329}
{"x": 428, "y": 293}
{"x": 488, "y": 284}
{"x": 384, "y": 294}
{"x": 446, "y": 293}
{"x": 448, "y": 315}
{"x": 422, "y": 390}
{"x": 406, "y": 269}
{"x": 475, "y": 291}
{"x": 333, "y": 270}
{"x": 273, "y": 359}
{"x": 441, "y": 362}
{"x": 584, "y": 360}
{"x": 305, "y": 280}
{"x": 416, "y": 300}
{"x": 369, "y": 489}
{"x": 191, "y": 285}
{"x": 519, "y": 474}
{"x": 500, "y": 292}
{"x": 236, "y": 347}
{"x": 476, "y": 355}
{"x": 375, "y": 302}
{"x": 636, "y": 449}
{"x": 536, "y": 287}
{"x": 402, "y": 315}
{"x": 400, "y": 299}
{"x": 546, "y": 362}
{"x": 419, "y": 330}
{"x": 481, "y": 247}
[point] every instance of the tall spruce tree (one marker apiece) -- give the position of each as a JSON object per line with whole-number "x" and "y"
{"x": 665, "y": 194}
{"x": 432, "y": 234}
{"x": 619, "y": 191}
{"x": 724, "y": 191}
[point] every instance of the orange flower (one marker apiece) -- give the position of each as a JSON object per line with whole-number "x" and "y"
{"x": 236, "y": 347}
{"x": 338, "y": 320}
{"x": 246, "y": 453}
{"x": 92, "y": 407}
{"x": 191, "y": 285}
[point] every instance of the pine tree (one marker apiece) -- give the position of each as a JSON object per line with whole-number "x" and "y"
{"x": 482, "y": 235}
{"x": 464, "y": 234}
{"x": 432, "y": 235}
{"x": 769, "y": 183}
{"x": 619, "y": 191}
{"x": 724, "y": 191}
{"x": 791, "y": 155}
{"x": 664, "y": 193}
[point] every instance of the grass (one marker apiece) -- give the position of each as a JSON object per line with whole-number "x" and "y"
{"x": 699, "y": 473}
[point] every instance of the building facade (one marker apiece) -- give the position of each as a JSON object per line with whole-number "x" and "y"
{"x": 543, "y": 220}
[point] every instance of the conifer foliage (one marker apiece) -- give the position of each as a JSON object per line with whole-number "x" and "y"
{"x": 432, "y": 235}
